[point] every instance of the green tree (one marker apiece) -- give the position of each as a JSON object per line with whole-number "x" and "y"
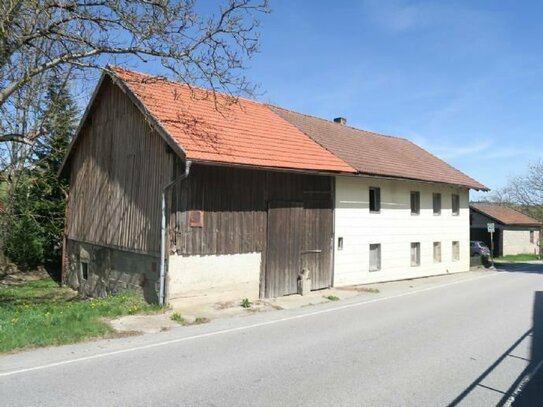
{"x": 39, "y": 200}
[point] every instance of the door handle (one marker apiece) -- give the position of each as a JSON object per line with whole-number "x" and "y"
{"x": 311, "y": 251}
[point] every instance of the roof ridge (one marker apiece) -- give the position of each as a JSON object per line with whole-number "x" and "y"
{"x": 166, "y": 79}
{"x": 370, "y": 132}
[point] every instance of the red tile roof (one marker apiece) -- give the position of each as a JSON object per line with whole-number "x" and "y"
{"x": 247, "y": 133}
{"x": 376, "y": 154}
{"x": 256, "y": 134}
{"x": 505, "y": 214}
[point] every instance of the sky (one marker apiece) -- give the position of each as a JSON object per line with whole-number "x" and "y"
{"x": 462, "y": 79}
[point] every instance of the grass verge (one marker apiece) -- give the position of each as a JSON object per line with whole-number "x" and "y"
{"x": 518, "y": 257}
{"x": 39, "y": 313}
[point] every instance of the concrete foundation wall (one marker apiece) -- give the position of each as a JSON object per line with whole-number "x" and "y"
{"x": 229, "y": 277}
{"x": 111, "y": 270}
{"x": 518, "y": 242}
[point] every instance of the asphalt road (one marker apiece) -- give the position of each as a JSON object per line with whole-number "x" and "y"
{"x": 467, "y": 342}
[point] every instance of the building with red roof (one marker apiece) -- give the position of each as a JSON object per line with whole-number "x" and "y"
{"x": 181, "y": 192}
{"x": 515, "y": 232}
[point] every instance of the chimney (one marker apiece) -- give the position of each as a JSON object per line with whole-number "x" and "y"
{"x": 340, "y": 120}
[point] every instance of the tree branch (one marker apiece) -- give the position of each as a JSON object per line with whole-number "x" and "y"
{"x": 16, "y": 138}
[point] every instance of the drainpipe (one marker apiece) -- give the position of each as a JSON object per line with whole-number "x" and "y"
{"x": 161, "y": 298}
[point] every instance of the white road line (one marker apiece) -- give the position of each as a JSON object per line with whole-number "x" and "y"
{"x": 241, "y": 328}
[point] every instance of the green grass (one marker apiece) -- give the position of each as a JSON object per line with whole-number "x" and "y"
{"x": 245, "y": 303}
{"x": 332, "y": 298}
{"x": 39, "y": 313}
{"x": 518, "y": 257}
{"x": 177, "y": 317}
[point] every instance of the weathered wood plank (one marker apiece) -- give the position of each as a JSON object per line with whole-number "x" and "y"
{"x": 118, "y": 168}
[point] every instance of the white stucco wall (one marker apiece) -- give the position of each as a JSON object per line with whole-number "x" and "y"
{"x": 225, "y": 276}
{"x": 518, "y": 242}
{"x": 395, "y": 229}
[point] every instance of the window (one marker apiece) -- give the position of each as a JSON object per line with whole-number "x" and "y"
{"x": 375, "y": 257}
{"x": 437, "y": 204}
{"x": 340, "y": 243}
{"x": 456, "y": 251}
{"x": 415, "y": 254}
{"x": 84, "y": 270}
{"x": 455, "y": 204}
{"x": 437, "y": 252}
{"x": 531, "y": 236}
{"x": 375, "y": 199}
{"x": 415, "y": 202}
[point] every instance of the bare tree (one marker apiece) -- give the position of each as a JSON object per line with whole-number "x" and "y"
{"x": 197, "y": 46}
{"x": 524, "y": 191}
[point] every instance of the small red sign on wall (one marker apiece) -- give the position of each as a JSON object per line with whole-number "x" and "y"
{"x": 196, "y": 219}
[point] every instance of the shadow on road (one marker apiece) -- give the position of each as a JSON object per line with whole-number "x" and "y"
{"x": 523, "y": 392}
{"x": 531, "y": 394}
{"x": 519, "y": 267}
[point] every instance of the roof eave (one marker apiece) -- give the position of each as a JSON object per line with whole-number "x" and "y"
{"x": 397, "y": 177}
{"x": 502, "y": 222}
{"x": 314, "y": 171}
{"x": 121, "y": 83}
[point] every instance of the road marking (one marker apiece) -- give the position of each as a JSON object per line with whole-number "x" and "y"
{"x": 240, "y": 328}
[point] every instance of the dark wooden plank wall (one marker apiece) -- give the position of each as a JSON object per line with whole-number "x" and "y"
{"x": 235, "y": 203}
{"x": 118, "y": 167}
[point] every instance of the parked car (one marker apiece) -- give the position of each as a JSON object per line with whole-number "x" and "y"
{"x": 478, "y": 248}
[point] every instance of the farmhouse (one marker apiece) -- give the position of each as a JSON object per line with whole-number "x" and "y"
{"x": 406, "y": 215}
{"x": 178, "y": 193}
{"x": 515, "y": 233}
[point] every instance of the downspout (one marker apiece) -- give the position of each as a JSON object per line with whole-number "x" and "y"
{"x": 161, "y": 298}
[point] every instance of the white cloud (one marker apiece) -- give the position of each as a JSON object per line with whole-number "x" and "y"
{"x": 392, "y": 15}
{"x": 398, "y": 16}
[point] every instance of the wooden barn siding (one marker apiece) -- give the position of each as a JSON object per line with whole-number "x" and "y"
{"x": 235, "y": 204}
{"x": 116, "y": 172}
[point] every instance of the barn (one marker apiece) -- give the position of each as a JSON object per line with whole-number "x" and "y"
{"x": 176, "y": 194}
{"x": 179, "y": 193}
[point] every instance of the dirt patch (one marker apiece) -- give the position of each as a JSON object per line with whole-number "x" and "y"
{"x": 139, "y": 324}
{"x": 225, "y": 305}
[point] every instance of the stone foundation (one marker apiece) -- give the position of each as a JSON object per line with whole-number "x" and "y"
{"x": 109, "y": 271}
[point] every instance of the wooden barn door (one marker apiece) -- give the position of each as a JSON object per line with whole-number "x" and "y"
{"x": 316, "y": 254}
{"x": 285, "y": 222}
{"x": 299, "y": 236}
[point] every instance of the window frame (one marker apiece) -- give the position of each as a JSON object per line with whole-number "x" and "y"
{"x": 84, "y": 269}
{"x": 438, "y": 196}
{"x": 457, "y": 202}
{"x": 437, "y": 245}
{"x": 379, "y": 257}
{"x": 417, "y": 247}
{"x": 532, "y": 236}
{"x": 415, "y": 211}
{"x": 455, "y": 248}
{"x": 376, "y": 202}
